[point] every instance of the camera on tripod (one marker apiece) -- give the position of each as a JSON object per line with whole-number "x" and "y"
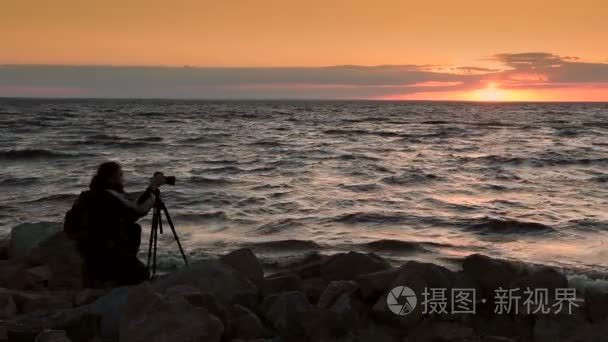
{"x": 157, "y": 226}
{"x": 170, "y": 180}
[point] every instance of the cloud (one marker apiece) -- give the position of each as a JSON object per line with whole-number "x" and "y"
{"x": 348, "y": 81}
{"x": 530, "y": 60}
{"x": 533, "y": 70}
{"x": 553, "y": 68}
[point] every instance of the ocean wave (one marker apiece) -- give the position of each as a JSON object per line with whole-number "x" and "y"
{"x": 412, "y": 177}
{"x": 199, "y": 180}
{"x": 278, "y": 226}
{"x": 386, "y": 134}
{"x": 376, "y": 218}
{"x": 567, "y": 133}
{"x": 223, "y": 169}
{"x": 357, "y": 156}
{"x": 599, "y": 179}
{"x": 118, "y": 141}
{"x": 394, "y": 246}
{"x": 434, "y": 122}
{"x": 31, "y": 154}
{"x": 361, "y": 187}
{"x": 56, "y": 198}
{"x": 588, "y": 224}
{"x": 491, "y": 226}
{"x": 285, "y": 245}
{"x": 18, "y": 181}
{"x": 537, "y": 162}
{"x": 203, "y": 217}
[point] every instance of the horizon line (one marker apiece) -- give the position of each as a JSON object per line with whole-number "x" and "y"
{"x": 289, "y": 100}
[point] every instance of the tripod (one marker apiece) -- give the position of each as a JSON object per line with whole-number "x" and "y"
{"x": 157, "y": 226}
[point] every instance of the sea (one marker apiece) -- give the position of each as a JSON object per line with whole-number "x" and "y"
{"x": 428, "y": 181}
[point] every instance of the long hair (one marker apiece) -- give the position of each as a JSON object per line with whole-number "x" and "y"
{"x": 105, "y": 172}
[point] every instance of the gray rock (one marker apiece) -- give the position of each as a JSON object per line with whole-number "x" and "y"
{"x": 49, "y": 335}
{"x": 109, "y": 308}
{"x": 416, "y": 276}
{"x": 541, "y": 277}
{"x": 244, "y": 261}
{"x": 216, "y": 278}
{"x": 28, "y": 302}
{"x": 284, "y": 311}
{"x": 87, "y": 296}
{"x": 3, "y": 336}
{"x": 26, "y": 237}
{"x": 490, "y": 273}
{"x": 373, "y": 284}
{"x": 546, "y": 330}
{"x": 347, "y": 266}
{"x": 150, "y": 317}
{"x": 281, "y": 283}
{"x": 334, "y": 290}
{"x": 439, "y": 331}
{"x": 213, "y": 306}
{"x": 246, "y": 325}
{"x": 4, "y": 248}
{"x": 79, "y": 324}
{"x": 60, "y": 254}
{"x": 313, "y": 288}
{"x": 8, "y": 308}
{"x": 12, "y": 274}
{"x": 596, "y": 302}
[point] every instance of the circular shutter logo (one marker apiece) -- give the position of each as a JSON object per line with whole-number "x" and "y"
{"x": 401, "y": 300}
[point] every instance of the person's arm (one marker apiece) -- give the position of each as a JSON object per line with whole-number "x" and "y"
{"x": 139, "y": 208}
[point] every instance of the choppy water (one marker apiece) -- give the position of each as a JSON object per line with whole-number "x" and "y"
{"x": 432, "y": 181}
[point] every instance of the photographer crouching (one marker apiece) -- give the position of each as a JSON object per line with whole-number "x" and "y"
{"x": 102, "y": 221}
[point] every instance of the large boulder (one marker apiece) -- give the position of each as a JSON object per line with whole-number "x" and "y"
{"x": 596, "y": 303}
{"x": 491, "y": 273}
{"x": 541, "y": 277}
{"x": 244, "y": 261}
{"x": 4, "y": 247}
{"x": 281, "y": 283}
{"x": 109, "y": 309}
{"x": 27, "y": 302}
{"x": 52, "y": 336}
{"x": 150, "y": 317}
{"x": 215, "y": 278}
{"x": 79, "y": 324}
{"x": 8, "y": 307}
{"x": 11, "y": 274}
{"x": 61, "y": 255}
{"x": 373, "y": 284}
{"x": 417, "y": 277}
{"x": 245, "y": 324}
{"x": 285, "y": 311}
{"x": 313, "y": 288}
{"x": 27, "y": 236}
{"x": 347, "y": 266}
{"x": 334, "y": 290}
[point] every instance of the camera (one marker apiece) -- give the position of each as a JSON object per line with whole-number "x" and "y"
{"x": 168, "y": 179}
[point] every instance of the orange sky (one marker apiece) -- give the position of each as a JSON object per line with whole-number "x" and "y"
{"x": 269, "y": 33}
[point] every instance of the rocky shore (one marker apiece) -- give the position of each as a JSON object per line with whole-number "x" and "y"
{"x": 342, "y": 297}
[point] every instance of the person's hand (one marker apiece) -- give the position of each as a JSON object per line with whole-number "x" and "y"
{"x": 157, "y": 181}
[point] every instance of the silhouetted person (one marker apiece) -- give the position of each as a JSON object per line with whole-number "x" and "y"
{"x": 103, "y": 223}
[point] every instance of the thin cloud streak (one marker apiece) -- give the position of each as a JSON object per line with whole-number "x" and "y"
{"x": 532, "y": 70}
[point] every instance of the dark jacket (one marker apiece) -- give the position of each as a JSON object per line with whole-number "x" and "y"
{"x": 103, "y": 223}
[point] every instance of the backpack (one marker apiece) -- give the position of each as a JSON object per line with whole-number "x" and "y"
{"x": 76, "y": 224}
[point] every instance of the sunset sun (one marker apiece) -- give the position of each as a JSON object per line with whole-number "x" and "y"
{"x": 492, "y": 93}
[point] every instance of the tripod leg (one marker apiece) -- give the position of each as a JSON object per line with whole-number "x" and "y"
{"x": 154, "y": 224}
{"x": 159, "y": 220}
{"x": 181, "y": 250}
